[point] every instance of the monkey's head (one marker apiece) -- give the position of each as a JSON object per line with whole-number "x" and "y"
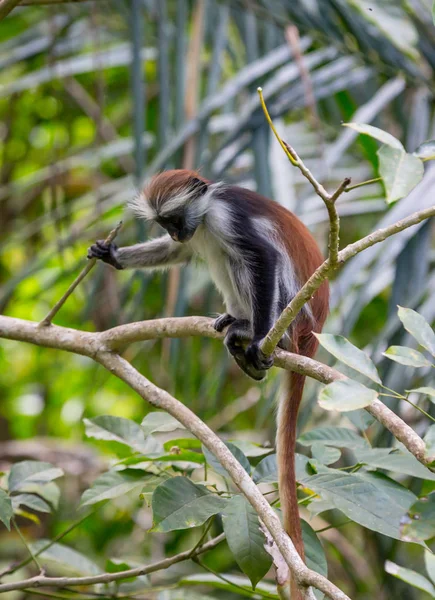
{"x": 177, "y": 200}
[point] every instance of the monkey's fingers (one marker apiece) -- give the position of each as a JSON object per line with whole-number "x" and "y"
{"x": 223, "y": 321}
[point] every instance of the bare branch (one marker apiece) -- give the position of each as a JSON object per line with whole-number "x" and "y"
{"x": 6, "y": 6}
{"x": 48, "y": 319}
{"x": 59, "y": 582}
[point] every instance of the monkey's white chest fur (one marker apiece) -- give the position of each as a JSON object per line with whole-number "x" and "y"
{"x": 230, "y": 278}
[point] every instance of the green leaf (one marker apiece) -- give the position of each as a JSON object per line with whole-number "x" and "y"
{"x": 340, "y": 437}
{"x": 400, "y": 171}
{"x": 245, "y": 539}
{"x": 426, "y": 150}
{"x": 159, "y": 421}
{"x": 60, "y": 558}
{"x": 346, "y": 395}
{"x": 240, "y": 586}
{"x": 429, "y": 561}
{"x": 123, "y": 431}
{"x": 372, "y": 500}
{"x": 266, "y": 471}
{"x": 216, "y": 465}
{"x": 409, "y": 576}
{"x": 349, "y": 354}
{"x": 130, "y": 585}
{"x": 378, "y": 134}
{"x": 180, "y": 504}
{"x": 428, "y": 391}
{"x": 31, "y": 501}
{"x": 112, "y": 485}
{"x": 6, "y": 511}
{"x": 418, "y": 327}
{"x": 31, "y": 471}
{"x": 419, "y": 522}
{"x": 150, "y": 483}
{"x": 324, "y": 454}
{"x": 184, "y": 443}
{"x": 251, "y": 450}
{"x": 314, "y": 553}
{"x": 407, "y": 356}
{"x": 393, "y": 460}
{"x": 50, "y": 492}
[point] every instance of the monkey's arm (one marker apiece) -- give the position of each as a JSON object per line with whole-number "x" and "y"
{"x": 156, "y": 254}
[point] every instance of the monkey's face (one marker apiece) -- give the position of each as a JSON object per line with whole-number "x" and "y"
{"x": 180, "y": 228}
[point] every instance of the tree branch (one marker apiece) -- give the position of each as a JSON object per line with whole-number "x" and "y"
{"x": 325, "y": 270}
{"x": 59, "y": 582}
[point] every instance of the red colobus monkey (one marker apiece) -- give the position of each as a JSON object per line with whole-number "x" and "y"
{"x": 259, "y": 255}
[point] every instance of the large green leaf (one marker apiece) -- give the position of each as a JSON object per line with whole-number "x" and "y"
{"x": 112, "y": 485}
{"x": 159, "y": 421}
{"x": 50, "y": 492}
{"x": 429, "y": 562}
{"x": 409, "y": 576}
{"x": 314, "y": 553}
{"x": 419, "y": 523}
{"x": 123, "y": 431}
{"x": 266, "y": 471}
{"x": 346, "y": 395}
{"x": 407, "y": 356}
{"x": 372, "y": 500}
{"x": 393, "y": 460}
{"x": 349, "y": 354}
{"x": 378, "y": 134}
{"x": 400, "y": 171}
{"x": 429, "y": 440}
{"x": 60, "y": 558}
{"x": 31, "y": 471}
{"x": 245, "y": 539}
{"x": 216, "y": 465}
{"x": 180, "y": 504}
{"x": 418, "y": 327}
{"x": 6, "y": 511}
{"x": 428, "y": 391}
{"x": 341, "y": 437}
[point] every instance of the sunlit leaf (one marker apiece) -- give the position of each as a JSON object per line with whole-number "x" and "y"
{"x": 62, "y": 559}
{"x": 378, "y": 134}
{"x": 345, "y": 395}
{"x": 112, "y": 485}
{"x": 245, "y": 539}
{"x": 407, "y": 356}
{"x": 31, "y": 471}
{"x": 426, "y": 150}
{"x": 409, "y": 576}
{"x": 400, "y": 171}
{"x": 123, "y": 431}
{"x": 6, "y": 512}
{"x": 31, "y": 501}
{"x": 159, "y": 421}
{"x": 180, "y": 504}
{"x": 418, "y": 327}
{"x": 349, "y": 354}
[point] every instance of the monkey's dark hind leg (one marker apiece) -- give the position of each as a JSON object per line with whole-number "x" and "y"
{"x": 223, "y": 321}
{"x": 238, "y": 335}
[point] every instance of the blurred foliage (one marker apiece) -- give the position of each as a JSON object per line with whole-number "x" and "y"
{"x": 94, "y": 97}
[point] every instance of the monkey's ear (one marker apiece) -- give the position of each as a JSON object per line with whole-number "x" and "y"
{"x": 199, "y": 186}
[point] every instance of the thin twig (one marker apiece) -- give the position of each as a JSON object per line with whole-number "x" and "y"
{"x": 28, "y": 548}
{"x": 358, "y": 185}
{"x": 48, "y": 319}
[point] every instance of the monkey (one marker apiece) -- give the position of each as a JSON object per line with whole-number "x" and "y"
{"x": 259, "y": 255}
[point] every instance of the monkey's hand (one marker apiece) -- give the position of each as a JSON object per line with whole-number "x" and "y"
{"x": 256, "y": 357}
{"x": 105, "y": 252}
{"x": 223, "y": 321}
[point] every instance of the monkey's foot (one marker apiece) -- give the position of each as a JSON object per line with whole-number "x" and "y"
{"x": 256, "y": 357}
{"x": 237, "y": 336}
{"x": 223, "y": 321}
{"x": 105, "y": 252}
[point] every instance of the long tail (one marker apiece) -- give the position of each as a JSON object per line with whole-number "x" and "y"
{"x": 286, "y": 446}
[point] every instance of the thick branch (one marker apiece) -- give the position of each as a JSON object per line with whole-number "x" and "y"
{"x": 60, "y": 582}
{"x": 325, "y": 270}
{"x": 89, "y": 344}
